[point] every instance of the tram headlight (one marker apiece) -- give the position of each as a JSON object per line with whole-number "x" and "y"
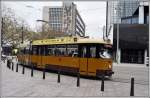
{"x": 109, "y": 66}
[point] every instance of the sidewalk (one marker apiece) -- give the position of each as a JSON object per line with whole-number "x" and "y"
{"x": 19, "y": 85}
{"x": 129, "y": 65}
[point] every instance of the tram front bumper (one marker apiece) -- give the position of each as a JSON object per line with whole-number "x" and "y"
{"x": 104, "y": 72}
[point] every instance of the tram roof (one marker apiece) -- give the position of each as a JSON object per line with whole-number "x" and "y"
{"x": 68, "y": 40}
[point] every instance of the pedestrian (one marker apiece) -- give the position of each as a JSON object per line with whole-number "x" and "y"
{"x": 8, "y": 63}
{"x": 9, "y": 60}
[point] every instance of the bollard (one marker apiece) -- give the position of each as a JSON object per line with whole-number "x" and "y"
{"x": 23, "y": 68}
{"x": 8, "y": 64}
{"x": 32, "y": 71}
{"x": 102, "y": 84}
{"x": 43, "y": 73}
{"x": 58, "y": 81}
{"x": 132, "y": 87}
{"x": 12, "y": 66}
{"x": 78, "y": 79}
{"x": 17, "y": 67}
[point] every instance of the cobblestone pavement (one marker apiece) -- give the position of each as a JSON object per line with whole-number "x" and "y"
{"x": 18, "y": 85}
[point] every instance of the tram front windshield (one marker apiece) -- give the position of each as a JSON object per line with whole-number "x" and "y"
{"x": 105, "y": 53}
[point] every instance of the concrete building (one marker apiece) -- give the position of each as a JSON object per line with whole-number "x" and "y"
{"x": 64, "y": 19}
{"x": 133, "y": 19}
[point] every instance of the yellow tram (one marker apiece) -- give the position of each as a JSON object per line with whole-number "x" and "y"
{"x": 90, "y": 57}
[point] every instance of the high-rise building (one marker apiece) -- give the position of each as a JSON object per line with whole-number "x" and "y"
{"x": 120, "y": 9}
{"x": 130, "y": 19}
{"x": 64, "y": 19}
{"x": 139, "y": 16}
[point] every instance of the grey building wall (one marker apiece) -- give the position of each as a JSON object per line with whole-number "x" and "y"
{"x": 68, "y": 18}
{"x": 79, "y": 25}
{"x": 72, "y": 21}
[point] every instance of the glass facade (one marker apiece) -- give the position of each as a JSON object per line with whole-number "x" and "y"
{"x": 113, "y": 17}
{"x": 135, "y": 20}
{"x": 133, "y": 37}
{"x": 130, "y": 20}
{"x": 132, "y": 56}
{"x": 133, "y": 40}
{"x": 122, "y": 9}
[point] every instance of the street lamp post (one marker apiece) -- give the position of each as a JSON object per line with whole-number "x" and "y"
{"x": 107, "y": 20}
{"x": 148, "y": 41}
{"x": 22, "y": 34}
{"x": 44, "y": 22}
{"x": 43, "y": 26}
{"x": 118, "y": 43}
{"x": 2, "y": 32}
{"x": 118, "y": 54}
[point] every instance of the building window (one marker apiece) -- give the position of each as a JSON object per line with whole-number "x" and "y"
{"x": 130, "y": 20}
{"x": 134, "y": 20}
{"x": 147, "y": 18}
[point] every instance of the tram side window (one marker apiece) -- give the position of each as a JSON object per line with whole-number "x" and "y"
{"x": 42, "y": 50}
{"x": 34, "y": 50}
{"x": 60, "y": 50}
{"x": 39, "y": 50}
{"x": 72, "y": 50}
{"x": 83, "y": 52}
{"x": 50, "y": 50}
{"x": 93, "y": 52}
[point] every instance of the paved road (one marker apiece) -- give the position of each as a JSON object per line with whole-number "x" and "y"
{"x": 18, "y": 85}
{"x": 123, "y": 73}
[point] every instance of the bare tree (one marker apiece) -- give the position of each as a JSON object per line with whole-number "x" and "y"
{"x": 13, "y": 27}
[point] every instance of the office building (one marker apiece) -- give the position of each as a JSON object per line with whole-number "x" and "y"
{"x": 139, "y": 16}
{"x": 133, "y": 19}
{"x": 121, "y": 8}
{"x": 64, "y": 19}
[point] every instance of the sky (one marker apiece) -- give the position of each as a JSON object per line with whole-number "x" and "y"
{"x": 92, "y": 13}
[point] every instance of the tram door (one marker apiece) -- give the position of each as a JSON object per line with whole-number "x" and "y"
{"x": 40, "y": 54}
{"x": 83, "y": 63}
